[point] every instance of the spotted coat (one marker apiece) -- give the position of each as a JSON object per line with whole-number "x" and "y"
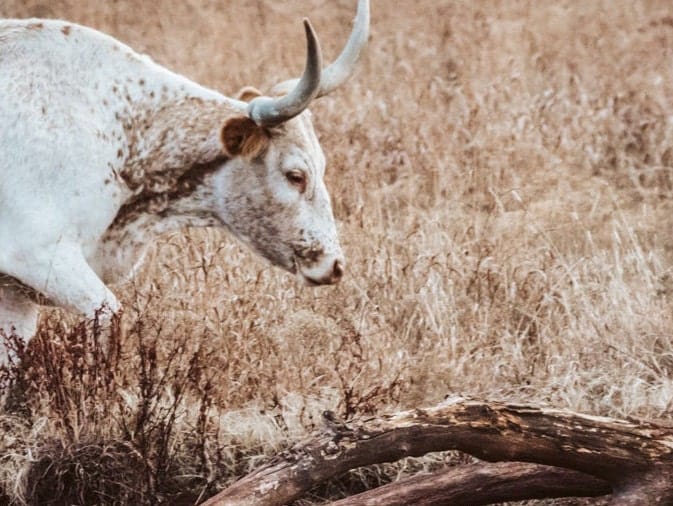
{"x": 101, "y": 149}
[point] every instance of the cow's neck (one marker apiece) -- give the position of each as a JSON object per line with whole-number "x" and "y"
{"x": 173, "y": 152}
{"x": 140, "y": 221}
{"x": 172, "y": 147}
{"x": 167, "y": 138}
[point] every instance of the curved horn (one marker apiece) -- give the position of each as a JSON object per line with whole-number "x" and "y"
{"x": 342, "y": 68}
{"x": 269, "y": 112}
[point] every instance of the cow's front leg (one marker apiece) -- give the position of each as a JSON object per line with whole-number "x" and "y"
{"x": 18, "y": 318}
{"x": 62, "y": 273}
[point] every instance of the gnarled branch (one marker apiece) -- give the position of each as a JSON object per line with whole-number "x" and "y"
{"x": 634, "y": 459}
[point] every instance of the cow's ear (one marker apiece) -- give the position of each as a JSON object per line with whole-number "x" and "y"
{"x": 243, "y": 137}
{"x": 247, "y": 93}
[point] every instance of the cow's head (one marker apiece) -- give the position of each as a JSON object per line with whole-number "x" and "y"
{"x": 272, "y": 192}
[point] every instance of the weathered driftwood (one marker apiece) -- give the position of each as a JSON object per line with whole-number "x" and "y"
{"x": 634, "y": 460}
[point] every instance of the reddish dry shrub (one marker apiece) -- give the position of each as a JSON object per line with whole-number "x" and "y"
{"x": 117, "y": 416}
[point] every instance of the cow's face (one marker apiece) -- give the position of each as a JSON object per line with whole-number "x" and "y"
{"x": 271, "y": 194}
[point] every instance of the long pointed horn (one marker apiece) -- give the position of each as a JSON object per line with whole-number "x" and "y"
{"x": 342, "y": 68}
{"x": 269, "y": 112}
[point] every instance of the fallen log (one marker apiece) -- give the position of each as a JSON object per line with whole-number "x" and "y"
{"x": 477, "y": 484}
{"x": 633, "y": 459}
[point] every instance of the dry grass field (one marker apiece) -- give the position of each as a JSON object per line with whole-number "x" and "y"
{"x": 502, "y": 175}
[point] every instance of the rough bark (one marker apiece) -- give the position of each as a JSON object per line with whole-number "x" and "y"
{"x": 635, "y": 459}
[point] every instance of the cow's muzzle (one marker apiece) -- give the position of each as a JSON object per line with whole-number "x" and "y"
{"x": 318, "y": 277}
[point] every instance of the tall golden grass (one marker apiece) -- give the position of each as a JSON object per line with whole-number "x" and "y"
{"x": 502, "y": 173}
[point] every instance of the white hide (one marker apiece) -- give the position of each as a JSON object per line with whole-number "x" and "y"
{"x": 87, "y": 128}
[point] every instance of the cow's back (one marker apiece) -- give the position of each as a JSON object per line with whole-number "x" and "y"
{"x": 64, "y": 91}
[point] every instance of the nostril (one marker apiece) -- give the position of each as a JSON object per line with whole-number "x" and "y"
{"x": 338, "y": 270}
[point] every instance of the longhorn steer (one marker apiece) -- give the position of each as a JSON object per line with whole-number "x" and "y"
{"x": 100, "y": 149}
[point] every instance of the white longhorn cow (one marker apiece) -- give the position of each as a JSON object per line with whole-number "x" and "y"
{"x": 101, "y": 149}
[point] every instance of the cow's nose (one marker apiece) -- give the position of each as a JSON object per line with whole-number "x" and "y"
{"x": 337, "y": 271}
{"x": 329, "y": 273}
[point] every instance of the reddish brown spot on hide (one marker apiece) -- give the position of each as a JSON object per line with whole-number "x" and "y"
{"x": 66, "y": 30}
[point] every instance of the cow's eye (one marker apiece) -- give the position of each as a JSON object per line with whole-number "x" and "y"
{"x": 297, "y": 179}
